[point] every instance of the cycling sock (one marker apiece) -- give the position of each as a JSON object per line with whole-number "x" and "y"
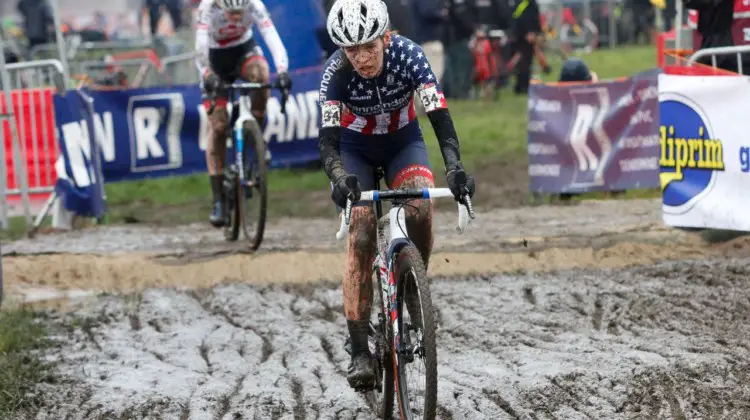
{"x": 358, "y": 333}
{"x": 216, "y": 186}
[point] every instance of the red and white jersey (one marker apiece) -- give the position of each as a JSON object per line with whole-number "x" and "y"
{"x": 215, "y": 31}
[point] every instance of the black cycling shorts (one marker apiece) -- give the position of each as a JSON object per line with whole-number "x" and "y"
{"x": 227, "y": 63}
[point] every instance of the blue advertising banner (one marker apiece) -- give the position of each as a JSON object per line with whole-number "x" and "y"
{"x": 296, "y": 21}
{"x": 160, "y": 131}
{"x": 601, "y": 136}
{"x": 77, "y": 178}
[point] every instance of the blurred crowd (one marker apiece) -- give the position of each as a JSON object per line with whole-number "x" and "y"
{"x": 475, "y": 46}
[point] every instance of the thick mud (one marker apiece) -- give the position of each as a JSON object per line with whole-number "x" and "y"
{"x": 668, "y": 341}
{"x": 593, "y": 222}
{"x": 133, "y": 258}
{"x": 589, "y": 311}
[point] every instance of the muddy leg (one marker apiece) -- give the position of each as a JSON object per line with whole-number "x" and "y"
{"x": 255, "y": 70}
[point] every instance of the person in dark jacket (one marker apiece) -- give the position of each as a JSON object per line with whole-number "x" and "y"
{"x": 38, "y": 21}
{"x": 154, "y": 12}
{"x": 462, "y": 22}
{"x": 715, "y": 27}
{"x": 321, "y": 34}
{"x": 526, "y": 26}
{"x": 429, "y": 18}
{"x": 400, "y": 16}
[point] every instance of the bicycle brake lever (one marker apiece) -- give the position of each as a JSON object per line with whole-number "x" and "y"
{"x": 469, "y": 206}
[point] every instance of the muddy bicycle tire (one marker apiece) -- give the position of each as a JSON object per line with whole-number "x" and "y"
{"x": 232, "y": 226}
{"x": 258, "y": 170}
{"x": 410, "y": 272}
{"x": 382, "y": 402}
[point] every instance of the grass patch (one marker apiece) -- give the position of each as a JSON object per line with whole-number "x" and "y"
{"x": 493, "y": 138}
{"x": 20, "y": 366}
{"x": 16, "y": 229}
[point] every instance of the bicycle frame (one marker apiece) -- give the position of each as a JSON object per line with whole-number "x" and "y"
{"x": 396, "y": 239}
{"x": 238, "y": 138}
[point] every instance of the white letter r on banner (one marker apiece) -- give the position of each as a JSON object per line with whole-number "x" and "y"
{"x": 146, "y": 121}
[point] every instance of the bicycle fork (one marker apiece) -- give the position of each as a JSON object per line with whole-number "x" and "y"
{"x": 388, "y": 285}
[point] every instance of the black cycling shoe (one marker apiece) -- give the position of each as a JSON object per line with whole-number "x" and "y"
{"x": 361, "y": 374}
{"x": 217, "y": 217}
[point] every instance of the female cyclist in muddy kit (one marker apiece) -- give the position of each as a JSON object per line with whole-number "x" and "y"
{"x": 368, "y": 120}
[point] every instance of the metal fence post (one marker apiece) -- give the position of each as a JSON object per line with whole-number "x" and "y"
{"x": 3, "y": 169}
{"x": 19, "y": 165}
{"x": 60, "y": 42}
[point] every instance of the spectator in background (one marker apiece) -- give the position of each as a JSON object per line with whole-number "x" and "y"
{"x": 38, "y": 21}
{"x": 644, "y": 15}
{"x": 400, "y": 17}
{"x": 155, "y": 9}
{"x": 495, "y": 14}
{"x": 462, "y": 21}
{"x": 526, "y": 26}
{"x": 575, "y": 70}
{"x": 429, "y": 18}
{"x": 321, "y": 33}
{"x": 485, "y": 68}
{"x": 715, "y": 27}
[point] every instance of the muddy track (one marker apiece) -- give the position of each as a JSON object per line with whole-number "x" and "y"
{"x": 668, "y": 341}
{"x": 592, "y": 222}
{"x": 136, "y": 258}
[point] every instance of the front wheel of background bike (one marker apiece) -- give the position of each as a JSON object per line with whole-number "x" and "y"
{"x": 256, "y": 176}
{"x": 416, "y": 376}
{"x": 232, "y": 219}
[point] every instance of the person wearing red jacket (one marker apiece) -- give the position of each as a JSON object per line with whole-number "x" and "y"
{"x": 485, "y": 66}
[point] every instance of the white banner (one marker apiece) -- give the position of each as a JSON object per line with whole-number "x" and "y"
{"x": 705, "y": 151}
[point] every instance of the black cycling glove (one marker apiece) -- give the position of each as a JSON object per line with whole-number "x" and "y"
{"x": 459, "y": 182}
{"x": 342, "y": 187}
{"x": 211, "y": 83}
{"x": 285, "y": 82}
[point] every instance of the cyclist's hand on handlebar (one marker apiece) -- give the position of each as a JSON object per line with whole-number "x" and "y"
{"x": 460, "y": 183}
{"x": 346, "y": 187}
{"x": 284, "y": 81}
{"x": 211, "y": 82}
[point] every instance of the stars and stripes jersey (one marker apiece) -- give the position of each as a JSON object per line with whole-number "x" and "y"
{"x": 383, "y": 104}
{"x": 215, "y": 31}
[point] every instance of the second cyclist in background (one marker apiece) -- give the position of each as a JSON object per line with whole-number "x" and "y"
{"x": 227, "y": 51}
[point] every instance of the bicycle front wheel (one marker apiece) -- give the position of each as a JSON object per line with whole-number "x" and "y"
{"x": 232, "y": 217}
{"x": 381, "y": 398}
{"x": 416, "y": 351}
{"x": 252, "y": 198}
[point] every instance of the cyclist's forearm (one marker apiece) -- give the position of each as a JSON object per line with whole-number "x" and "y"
{"x": 201, "y": 48}
{"x": 273, "y": 41}
{"x": 446, "y": 135}
{"x": 328, "y": 143}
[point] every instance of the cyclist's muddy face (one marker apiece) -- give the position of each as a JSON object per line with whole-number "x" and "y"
{"x": 235, "y": 16}
{"x": 367, "y": 59}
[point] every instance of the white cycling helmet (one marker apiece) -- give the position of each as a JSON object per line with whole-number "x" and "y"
{"x": 233, "y": 4}
{"x": 357, "y": 22}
